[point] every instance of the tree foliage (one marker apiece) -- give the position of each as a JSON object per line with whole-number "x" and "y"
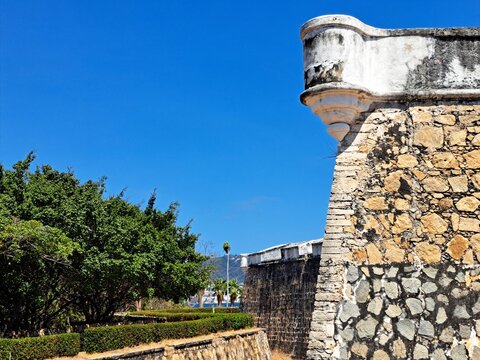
{"x": 226, "y": 247}
{"x": 66, "y": 246}
{"x": 33, "y": 263}
{"x": 235, "y": 291}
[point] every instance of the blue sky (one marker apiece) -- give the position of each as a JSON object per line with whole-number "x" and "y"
{"x": 198, "y": 99}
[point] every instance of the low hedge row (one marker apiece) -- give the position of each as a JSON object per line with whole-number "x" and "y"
{"x": 105, "y": 338}
{"x": 171, "y": 316}
{"x": 36, "y": 348}
{"x": 191, "y": 310}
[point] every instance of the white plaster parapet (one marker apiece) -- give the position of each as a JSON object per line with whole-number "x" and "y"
{"x": 286, "y": 252}
{"x": 349, "y": 65}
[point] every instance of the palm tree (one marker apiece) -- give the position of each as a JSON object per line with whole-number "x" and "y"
{"x": 218, "y": 287}
{"x": 226, "y": 248}
{"x": 235, "y": 291}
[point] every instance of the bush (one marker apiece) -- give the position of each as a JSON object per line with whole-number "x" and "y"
{"x": 186, "y": 310}
{"x": 36, "y": 348}
{"x": 105, "y": 338}
{"x": 185, "y": 314}
{"x": 218, "y": 310}
{"x": 171, "y": 316}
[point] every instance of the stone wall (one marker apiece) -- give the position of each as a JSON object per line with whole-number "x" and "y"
{"x": 241, "y": 345}
{"x": 400, "y": 276}
{"x": 280, "y": 294}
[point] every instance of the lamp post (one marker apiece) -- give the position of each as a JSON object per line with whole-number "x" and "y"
{"x": 226, "y": 248}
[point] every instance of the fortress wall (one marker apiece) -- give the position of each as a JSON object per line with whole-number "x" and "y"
{"x": 280, "y": 294}
{"x": 400, "y": 274}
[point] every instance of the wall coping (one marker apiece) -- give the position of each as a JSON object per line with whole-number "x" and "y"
{"x": 284, "y": 252}
{"x": 157, "y": 348}
{"x": 349, "y": 65}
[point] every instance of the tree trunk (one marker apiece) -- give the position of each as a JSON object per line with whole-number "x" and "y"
{"x": 138, "y": 304}
{"x": 200, "y": 297}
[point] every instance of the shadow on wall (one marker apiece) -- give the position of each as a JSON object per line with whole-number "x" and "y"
{"x": 281, "y": 294}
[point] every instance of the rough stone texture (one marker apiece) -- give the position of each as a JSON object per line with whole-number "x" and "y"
{"x": 412, "y": 232}
{"x": 242, "y": 345}
{"x": 281, "y": 295}
{"x": 411, "y": 319}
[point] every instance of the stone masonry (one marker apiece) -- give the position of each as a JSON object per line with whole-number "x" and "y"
{"x": 399, "y": 276}
{"x": 279, "y": 290}
{"x": 238, "y": 345}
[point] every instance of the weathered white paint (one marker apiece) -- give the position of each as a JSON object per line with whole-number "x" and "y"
{"x": 271, "y": 255}
{"x": 458, "y": 75}
{"x": 243, "y": 261}
{"x": 287, "y": 252}
{"x": 349, "y": 65}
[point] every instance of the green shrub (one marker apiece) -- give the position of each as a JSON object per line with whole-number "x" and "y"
{"x": 208, "y": 310}
{"x": 105, "y": 338}
{"x": 196, "y": 310}
{"x": 186, "y": 311}
{"x": 172, "y": 316}
{"x": 42, "y": 347}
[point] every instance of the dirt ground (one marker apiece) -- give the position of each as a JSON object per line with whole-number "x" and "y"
{"x": 277, "y": 355}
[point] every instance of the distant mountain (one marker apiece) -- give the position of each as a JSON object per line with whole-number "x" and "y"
{"x": 220, "y": 264}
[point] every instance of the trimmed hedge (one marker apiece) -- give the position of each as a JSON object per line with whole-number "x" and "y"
{"x": 220, "y": 309}
{"x": 172, "y": 317}
{"x": 36, "y": 348}
{"x": 190, "y": 310}
{"x": 105, "y": 338}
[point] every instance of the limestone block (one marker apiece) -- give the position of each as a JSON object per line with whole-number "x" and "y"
{"x": 445, "y": 160}
{"x": 459, "y": 183}
{"x": 375, "y": 203}
{"x": 429, "y": 136}
{"x": 469, "y": 224}
{"x": 374, "y": 254}
{"x": 472, "y": 159}
{"x": 434, "y": 224}
{"x": 457, "y": 137}
{"x": 476, "y": 180}
{"x": 428, "y": 253}
{"x": 399, "y": 349}
{"x": 402, "y": 223}
{"x": 468, "y": 203}
{"x": 445, "y": 119}
{"x": 435, "y": 184}
{"x": 407, "y": 161}
{"x": 457, "y": 247}
{"x": 393, "y": 252}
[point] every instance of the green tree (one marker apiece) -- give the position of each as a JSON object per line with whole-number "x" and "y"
{"x": 235, "y": 291}
{"x": 120, "y": 253}
{"x": 34, "y": 263}
{"x": 219, "y": 289}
